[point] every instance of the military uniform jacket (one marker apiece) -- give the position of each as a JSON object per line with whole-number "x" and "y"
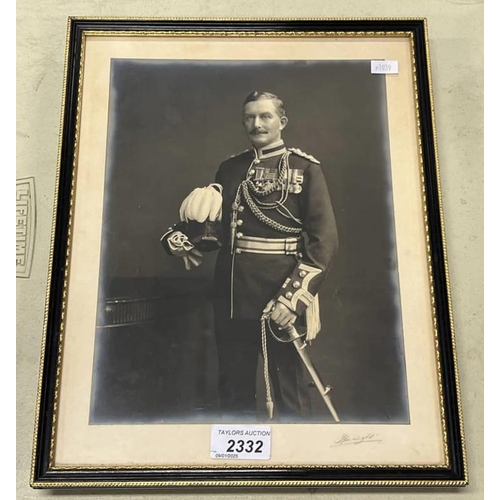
{"x": 247, "y": 277}
{"x": 245, "y": 281}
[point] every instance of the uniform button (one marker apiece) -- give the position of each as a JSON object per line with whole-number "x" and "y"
{"x": 238, "y": 250}
{"x": 241, "y": 208}
{"x": 288, "y": 295}
{"x": 256, "y": 161}
{"x": 296, "y": 284}
{"x": 239, "y": 235}
{"x": 302, "y": 274}
{"x": 239, "y": 222}
{"x": 252, "y": 171}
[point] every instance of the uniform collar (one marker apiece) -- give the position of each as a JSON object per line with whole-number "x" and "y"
{"x": 274, "y": 149}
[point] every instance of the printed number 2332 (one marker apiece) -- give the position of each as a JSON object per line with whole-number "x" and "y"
{"x": 249, "y": 446}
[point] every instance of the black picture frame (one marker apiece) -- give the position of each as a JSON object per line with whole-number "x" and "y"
{"x": 45, "y": 475}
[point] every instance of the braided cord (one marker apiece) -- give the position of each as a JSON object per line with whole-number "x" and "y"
{"x": 265, "y": 357}
{"x": 233, "y": 223}
{"x": 286, "y": 213}
{"x": 264, "y": 218}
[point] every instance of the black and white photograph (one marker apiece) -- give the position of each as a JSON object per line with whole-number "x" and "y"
{"x": 248, "y": 265}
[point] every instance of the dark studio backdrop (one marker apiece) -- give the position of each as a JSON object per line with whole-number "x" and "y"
{"x": 171, "y": 124}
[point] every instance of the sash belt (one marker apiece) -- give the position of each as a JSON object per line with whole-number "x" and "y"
{"x": 269, "y": 246}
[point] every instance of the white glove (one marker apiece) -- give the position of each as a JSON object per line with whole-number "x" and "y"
{"x": 180, "y": 246}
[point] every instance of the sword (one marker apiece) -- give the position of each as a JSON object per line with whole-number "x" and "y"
{"x": 323, "y": 390}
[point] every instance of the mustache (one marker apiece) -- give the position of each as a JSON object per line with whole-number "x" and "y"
{"x": 257, "y": 131}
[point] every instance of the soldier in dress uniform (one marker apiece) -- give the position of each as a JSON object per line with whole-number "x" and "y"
{"x": 278, "y": 240}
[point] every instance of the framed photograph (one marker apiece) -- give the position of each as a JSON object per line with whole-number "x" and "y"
{"x": 248, "y": 282}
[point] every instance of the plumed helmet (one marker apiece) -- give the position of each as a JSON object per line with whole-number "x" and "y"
{"x": 202, "y": 212}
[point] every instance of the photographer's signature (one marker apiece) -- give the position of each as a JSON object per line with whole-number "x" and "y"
{"x": 366, "y": 438}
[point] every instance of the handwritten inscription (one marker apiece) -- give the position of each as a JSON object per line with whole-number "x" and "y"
{"x": 347, "y": 439}
{"x": 25, "y": 225}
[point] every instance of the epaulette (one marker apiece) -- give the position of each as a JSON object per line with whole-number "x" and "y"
{"x": 304, "y": 155}
{"x": 238, "y": 154}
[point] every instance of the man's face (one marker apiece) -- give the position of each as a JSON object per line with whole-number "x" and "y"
{"x": 262, "y": 123}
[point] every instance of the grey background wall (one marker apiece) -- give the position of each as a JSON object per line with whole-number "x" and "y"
{"x": 456, "y": 33}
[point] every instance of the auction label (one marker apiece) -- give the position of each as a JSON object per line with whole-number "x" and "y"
{"x": 243, "y": 442}
{"x": 385, "y": 67}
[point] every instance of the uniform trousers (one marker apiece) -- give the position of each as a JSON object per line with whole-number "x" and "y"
{"x": 239, "y": 343}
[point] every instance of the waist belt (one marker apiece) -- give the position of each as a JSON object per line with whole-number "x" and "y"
{"x": 271, "y": 246}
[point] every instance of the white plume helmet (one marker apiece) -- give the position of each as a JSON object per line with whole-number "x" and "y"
{"x": 202, "y": 204}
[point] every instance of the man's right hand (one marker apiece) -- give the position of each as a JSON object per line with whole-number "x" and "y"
{"x": 280, "y": 314}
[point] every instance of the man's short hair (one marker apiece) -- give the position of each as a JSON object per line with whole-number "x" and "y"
{"x": 257, "y": 96}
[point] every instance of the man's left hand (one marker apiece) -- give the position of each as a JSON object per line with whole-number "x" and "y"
{"x": 280, "y": 314}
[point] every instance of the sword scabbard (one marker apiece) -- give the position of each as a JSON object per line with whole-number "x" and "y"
{"x": 304, "y": 356}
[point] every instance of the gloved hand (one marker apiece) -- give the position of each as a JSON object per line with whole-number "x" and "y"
{"x": 193, "y": 259}
{"x": 180, "y": 246}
